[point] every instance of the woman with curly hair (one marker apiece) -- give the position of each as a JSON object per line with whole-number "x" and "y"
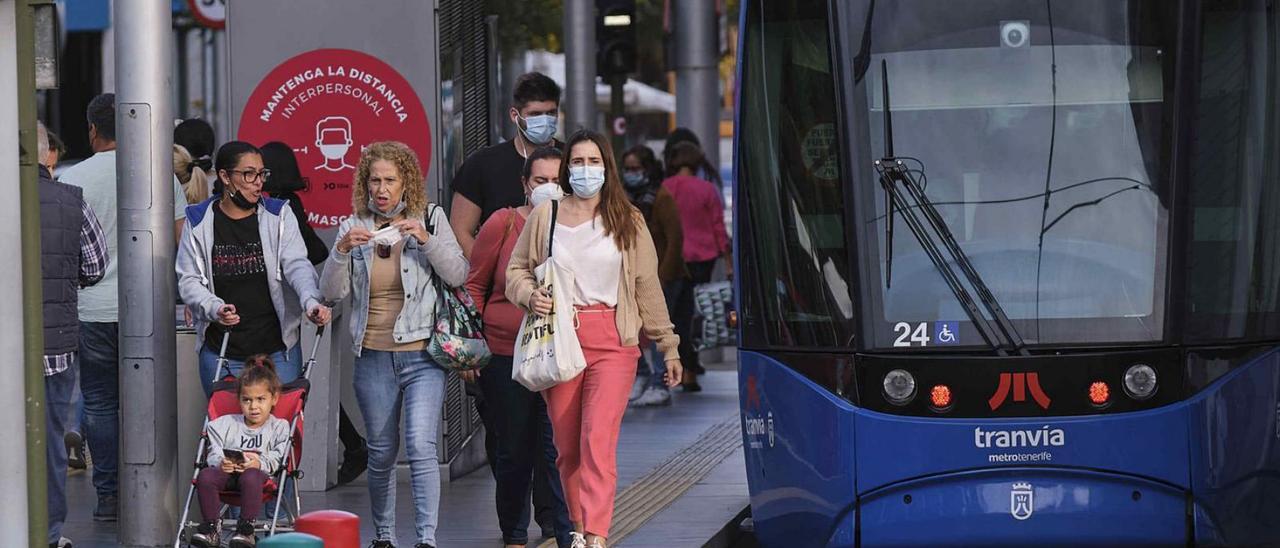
{"x": 385, "y": 256}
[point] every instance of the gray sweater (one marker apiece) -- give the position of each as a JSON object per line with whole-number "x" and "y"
{"x": 270, "y": 441}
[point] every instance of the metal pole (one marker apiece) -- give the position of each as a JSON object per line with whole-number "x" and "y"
{"x": 23, "y": 506}
{"x": 617, "y": 109}
{"x": 144, "y": 131}
{"x": 32, "y": 277}
{"x": 579, "y": 65}
{"x": 697, "y": 79}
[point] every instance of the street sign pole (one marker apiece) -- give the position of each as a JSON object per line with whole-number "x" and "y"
{"x": 617, "y": 115}
{"x": 145, "y": 251}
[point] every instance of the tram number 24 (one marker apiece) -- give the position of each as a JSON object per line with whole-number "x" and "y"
{"x": 919, "y": 334}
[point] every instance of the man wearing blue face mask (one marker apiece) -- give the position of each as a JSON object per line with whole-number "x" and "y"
{"x": 490, "y": 178}
{"x": 490, "y": 181}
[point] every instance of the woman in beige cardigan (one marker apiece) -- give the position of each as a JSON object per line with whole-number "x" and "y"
{"x": 602, "y": 239}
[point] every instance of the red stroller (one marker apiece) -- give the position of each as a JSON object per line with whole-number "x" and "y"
{"x": 224, "y": 401}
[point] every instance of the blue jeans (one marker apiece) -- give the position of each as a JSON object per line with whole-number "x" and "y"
{"x": 100, "y": 386}
{"x": 288, "y": 366}
{"x": 385, "y": 382}
{"x": 523, "y": 444}
{"x": 57, "y": 401}
{"x": 652, "y": 365}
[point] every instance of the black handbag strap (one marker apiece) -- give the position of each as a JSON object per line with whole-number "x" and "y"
{"x": 551, "y": 234}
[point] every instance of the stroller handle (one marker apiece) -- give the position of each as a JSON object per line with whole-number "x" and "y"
{"x": 315, "y": 348}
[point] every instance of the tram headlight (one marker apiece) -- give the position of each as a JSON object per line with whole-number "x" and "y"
{"x": 1140, "y": 381}
{"x": 1015, "y": 34}
{"x": 899, "y": 387}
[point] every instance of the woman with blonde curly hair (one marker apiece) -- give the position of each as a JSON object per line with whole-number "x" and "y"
{"x": 385, "y": 256}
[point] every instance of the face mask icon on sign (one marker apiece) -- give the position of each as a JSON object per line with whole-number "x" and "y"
{"x": 333, "y": 138}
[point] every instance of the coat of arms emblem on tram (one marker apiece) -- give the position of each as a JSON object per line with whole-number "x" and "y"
{"x": 1021, "y": 501}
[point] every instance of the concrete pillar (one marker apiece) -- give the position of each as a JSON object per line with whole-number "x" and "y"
{"x": 13, "y": 456}
{"x": 146, "y": 246}
{"x": 697, "y": 76}
{"x": 579, "y": 104}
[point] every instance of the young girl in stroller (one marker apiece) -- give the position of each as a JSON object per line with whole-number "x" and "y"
{"x": 245, "y": 448}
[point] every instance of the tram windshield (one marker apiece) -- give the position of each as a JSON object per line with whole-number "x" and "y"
{"x": 1040, "y": 130}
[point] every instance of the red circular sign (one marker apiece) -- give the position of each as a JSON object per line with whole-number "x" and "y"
{"x": 328, "y": 104}
{"x": 210, "y": 13}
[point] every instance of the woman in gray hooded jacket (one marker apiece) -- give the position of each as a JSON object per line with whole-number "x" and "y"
{"x": 242, "y": 269}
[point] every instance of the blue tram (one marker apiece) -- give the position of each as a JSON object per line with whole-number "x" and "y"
{"x": 1009, "y": 271}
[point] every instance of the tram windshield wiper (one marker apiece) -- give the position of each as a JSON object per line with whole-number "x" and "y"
{"x": 905, "y": 195}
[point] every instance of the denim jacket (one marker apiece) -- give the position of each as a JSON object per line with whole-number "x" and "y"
{"x": 291, "y": 279}
{"x": 349, "y": 273}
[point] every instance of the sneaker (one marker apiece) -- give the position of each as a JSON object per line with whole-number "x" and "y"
{"x": 354, "y": 463}
{"x": 579, "y": 541}
{"x": 108, "y": 508}
{"x": 423, "y": 545}
{"x": 63, "y": 542}
{"x": 638, "y": 387}
{"x": 244, "y": 537}
{"x": 206, "y": 536}
{"x": 381, "y": 543}
{"x": 653, "y": 396}
{"x": 75, "y": 450}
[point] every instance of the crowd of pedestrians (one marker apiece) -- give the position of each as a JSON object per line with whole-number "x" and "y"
{"x": 637, "y": 233}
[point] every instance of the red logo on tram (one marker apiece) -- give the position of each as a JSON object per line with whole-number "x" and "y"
{"x": 1020, "y": 384}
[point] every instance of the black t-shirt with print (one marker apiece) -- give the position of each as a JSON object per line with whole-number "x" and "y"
{"x": 240, "y": 278}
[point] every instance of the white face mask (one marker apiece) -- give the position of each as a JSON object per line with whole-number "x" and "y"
{"x": 387, "y": 236}
{"x": 545, "y": 192}
{"x": 586, "y": 180}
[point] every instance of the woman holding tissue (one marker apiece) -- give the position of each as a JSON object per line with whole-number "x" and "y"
{"x": 602, "y": 239}
{"x": 385, "y": 257}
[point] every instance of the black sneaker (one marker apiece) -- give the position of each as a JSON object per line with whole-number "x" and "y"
{"x": 423, "y": 545}
{"x": 354, "y": 463}
{"x": 381, "y": 543}
{"x": 75, "y": 450}
{"x": 108, "y": 509}
{"x": 206, "y": 536}
{"x": 244, "y": 537}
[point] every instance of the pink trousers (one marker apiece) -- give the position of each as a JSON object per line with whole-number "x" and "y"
{"x": 586, "y": 414}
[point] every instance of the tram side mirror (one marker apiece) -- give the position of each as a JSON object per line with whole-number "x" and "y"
{"x": 1015, "y": 34}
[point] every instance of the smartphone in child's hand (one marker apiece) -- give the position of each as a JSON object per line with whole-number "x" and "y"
{"x": 234, "y": 455}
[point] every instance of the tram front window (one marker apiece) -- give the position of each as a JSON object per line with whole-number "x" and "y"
{"x": 1041, "y": 134}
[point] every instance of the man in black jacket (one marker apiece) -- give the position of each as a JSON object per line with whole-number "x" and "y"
{"x": 73, "y": 254}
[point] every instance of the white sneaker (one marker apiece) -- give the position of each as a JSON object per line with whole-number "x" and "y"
{"x": 653, "y": 396}
{"x": 579, "y": 541}
{"x": 637, "y": 388}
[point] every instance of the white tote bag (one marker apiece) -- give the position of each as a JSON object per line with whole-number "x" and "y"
{"x": 547, "y": 351}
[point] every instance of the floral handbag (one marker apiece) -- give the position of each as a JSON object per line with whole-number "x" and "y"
{"x": 457, "y": 339}
{"x": 457, "y": 342}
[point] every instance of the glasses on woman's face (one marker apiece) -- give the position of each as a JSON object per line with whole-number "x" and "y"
{"x": 252, "y": 176}
{"x": 384, "y": 251}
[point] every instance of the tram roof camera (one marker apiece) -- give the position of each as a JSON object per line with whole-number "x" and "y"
{"x": 1015, "y": 34}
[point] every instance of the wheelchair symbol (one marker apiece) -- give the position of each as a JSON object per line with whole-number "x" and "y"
{"x": 946, "y": 333}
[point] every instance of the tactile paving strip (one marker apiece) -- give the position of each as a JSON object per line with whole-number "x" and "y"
{"x": 661, "y": 486}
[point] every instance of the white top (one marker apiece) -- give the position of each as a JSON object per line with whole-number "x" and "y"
{"x": 593, "y": 257}
{"x": 97, "y": 176}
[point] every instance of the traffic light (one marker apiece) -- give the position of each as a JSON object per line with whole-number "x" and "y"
{"x": 615, "y": 38}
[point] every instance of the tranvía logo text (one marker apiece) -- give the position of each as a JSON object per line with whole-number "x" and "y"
{"x": 1044, "y": 437}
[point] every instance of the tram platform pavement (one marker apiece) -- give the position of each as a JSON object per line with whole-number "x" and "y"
{"x": 654, "y": 440}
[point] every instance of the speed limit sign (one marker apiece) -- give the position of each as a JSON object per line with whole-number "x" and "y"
{"x": 210, "y": 13}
